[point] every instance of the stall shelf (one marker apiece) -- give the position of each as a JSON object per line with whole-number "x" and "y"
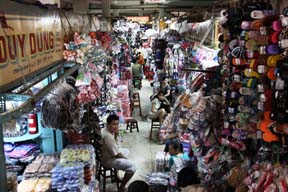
{"x": 47, "y": 136}
{"x": 24, "y": 137}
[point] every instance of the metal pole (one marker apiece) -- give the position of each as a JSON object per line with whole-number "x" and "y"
{"x": 29, "y": 105}
{"x": 207, "y": 32}
{"x": 3, "y": 179}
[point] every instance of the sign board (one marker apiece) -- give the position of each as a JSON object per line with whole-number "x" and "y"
{"x": 140, "y": 19}
{"x": 154, "y": 1}
{"x": 29, "y": 44}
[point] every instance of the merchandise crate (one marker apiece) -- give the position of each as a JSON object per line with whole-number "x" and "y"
{"x": 4, "y": 98}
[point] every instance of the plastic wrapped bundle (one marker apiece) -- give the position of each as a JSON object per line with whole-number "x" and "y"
{"x": 158, "y": 182}
{"x": 162, "y": 161}
{"x": 78, "y": 153}
{"x": 68, "y": 178}
{"x": 43, "y": 185}
{"x": 81, "y": 153}
{"x": 27, "y": 185}
{"x": 32, "y": 170}
{"x": 44, "y": 170}
{"x": 60, "y": 109}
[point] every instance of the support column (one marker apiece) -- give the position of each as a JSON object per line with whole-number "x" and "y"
{"x": 116, "y": 12}
{"x": 161, "y": 13}
{"x": 3, "y": 179}
{"x": 81, "y": 7}
{"x": 106, "y": 6}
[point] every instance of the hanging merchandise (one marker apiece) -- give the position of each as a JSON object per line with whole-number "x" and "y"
{"x": 267, "y": 179}
{"x": 159, "y": 48}
{"x": 76, "y": 49}
{"x": 105, "y": 39}
{"x": 174, "y": 61}
{"x": 122, "y": 58}
{"x": 198, "y": 124}
{"x": 123, "y": 98}
{"x": 170, "y": 35}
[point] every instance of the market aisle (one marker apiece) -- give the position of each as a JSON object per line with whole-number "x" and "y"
{"x": 142, "y": 151}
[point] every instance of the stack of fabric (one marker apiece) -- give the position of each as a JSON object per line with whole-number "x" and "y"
{"x": 20, "y": 152}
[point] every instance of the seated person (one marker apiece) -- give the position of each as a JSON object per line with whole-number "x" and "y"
{"x": 188, "y": 181}
{"x": 174, "y": 133}
{"x": 138, "y": 186}
{"x": 166, "y": 89}
{"x": 159, "y": 106}
{"x": 111, "y": 156}
{"x": 178, "y": 158}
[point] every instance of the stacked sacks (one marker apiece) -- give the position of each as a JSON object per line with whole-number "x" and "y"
{"x": 35, "y": 184}
{"x": 80, "y": 153}
{"x": 68, "y": 178}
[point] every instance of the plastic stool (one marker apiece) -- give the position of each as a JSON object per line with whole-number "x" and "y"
{"x": 155, "y": 124}
{"x": 136, "y": 103}
{"x": 132, "y": 124}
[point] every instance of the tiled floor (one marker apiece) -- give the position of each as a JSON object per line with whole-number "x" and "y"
{"x": 142, "y": 150}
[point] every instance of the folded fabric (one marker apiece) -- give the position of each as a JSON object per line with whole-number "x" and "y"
{"x": 23, "y": 150}
{"x": 8, "y": 147}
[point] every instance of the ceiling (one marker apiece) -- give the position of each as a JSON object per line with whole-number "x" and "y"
{"x": 137, "y": 7}
{"x": 143, "y": 7}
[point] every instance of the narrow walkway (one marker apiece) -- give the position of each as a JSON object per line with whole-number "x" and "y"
{"x": 142, "y": 151}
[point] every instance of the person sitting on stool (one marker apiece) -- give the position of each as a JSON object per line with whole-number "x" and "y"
{"x": 113, "y": 156}
{"x": 160, "y": 107}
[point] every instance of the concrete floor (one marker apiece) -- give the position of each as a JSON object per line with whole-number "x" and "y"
{"x": 142, "y": 150}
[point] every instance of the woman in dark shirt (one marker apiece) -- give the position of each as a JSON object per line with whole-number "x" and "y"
{"x": 166, "y": 89}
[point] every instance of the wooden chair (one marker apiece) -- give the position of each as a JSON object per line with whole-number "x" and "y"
{"x": 105, "y": 173}
{"x": 136, "y": 103}
{"x": 132, "y": 124}
{"x": 155, "y": 124}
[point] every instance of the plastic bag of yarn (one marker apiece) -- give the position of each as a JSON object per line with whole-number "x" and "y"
{"x": 60, "y": 109}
